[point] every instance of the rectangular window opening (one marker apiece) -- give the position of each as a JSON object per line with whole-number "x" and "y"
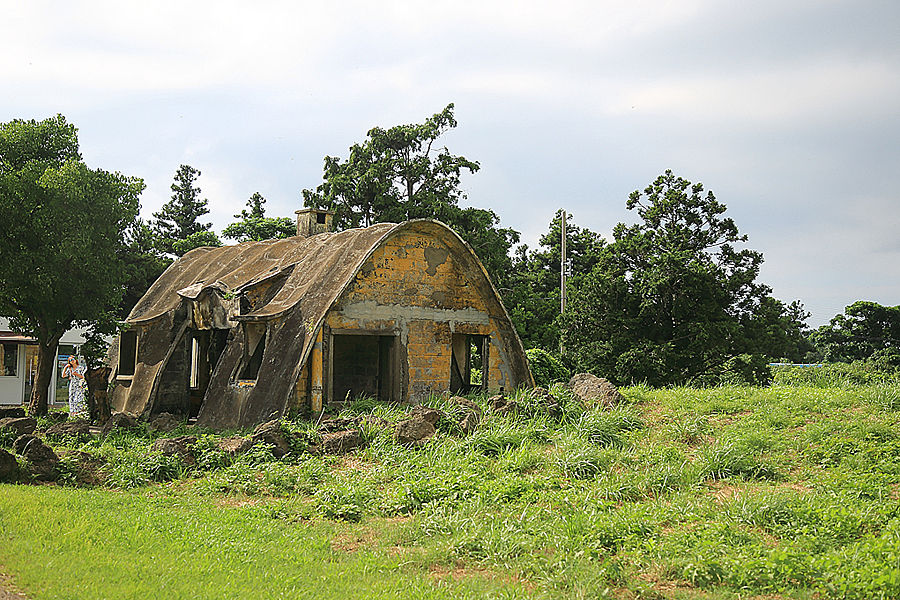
{"x": 365, "y": 365}
{"x": 468, "y": 360}
{"x": 254, "y": 348}
{"x": 195, "y": 363}
{"x": 127, "y": 353}
{"x": 10, "y": 358}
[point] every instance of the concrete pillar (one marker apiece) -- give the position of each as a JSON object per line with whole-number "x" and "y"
{"x": 315, "y": 373}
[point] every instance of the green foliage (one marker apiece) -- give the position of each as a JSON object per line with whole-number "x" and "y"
{"x": 255, "y": 226}
{"x": 864, "y": 330}
{"x": 138, "y": 467}
{"x": 63, "y": 229}
{"x": 397, "y": 174}
{"x": 834, "y": 374}
{"x": 142, "y": 265}
{"x": 734, "y": 490}
{"x": 200, "y": 239}
{"x": 546, "y": 368}
{"x": 672, "y": 299}
{"x": 531, "y": 294}
{"x": 177, "y": 219}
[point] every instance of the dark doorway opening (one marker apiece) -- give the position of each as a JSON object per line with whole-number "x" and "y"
{"x": 206, "y": 348}
{"x": 364, "y": 365}
{"x": 470, "y": 357}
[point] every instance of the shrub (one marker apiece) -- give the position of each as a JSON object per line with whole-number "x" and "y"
{"x": 545, "y": 368}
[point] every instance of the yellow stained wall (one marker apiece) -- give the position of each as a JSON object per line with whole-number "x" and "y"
{"x": 413, "y": 286}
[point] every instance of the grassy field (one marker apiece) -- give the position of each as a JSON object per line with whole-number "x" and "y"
{"x": 734, "y": 492}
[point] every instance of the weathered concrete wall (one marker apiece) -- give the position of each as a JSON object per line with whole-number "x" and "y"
{"x": 413, "y": 285}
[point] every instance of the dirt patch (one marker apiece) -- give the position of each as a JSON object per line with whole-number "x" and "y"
{"x": 460, "y": 571}
{"x": 8, "y": 590}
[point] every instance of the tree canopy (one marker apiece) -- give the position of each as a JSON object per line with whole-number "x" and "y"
{"x": 672, "y": 300}
{"x": 177, "y": 219}
{"x": 863, "y": 330}
{"x": 62, "y": 232}
{"x": 255, "y": 226}
{"x": 533, "y": 293}
{"x": 399, "y": 174}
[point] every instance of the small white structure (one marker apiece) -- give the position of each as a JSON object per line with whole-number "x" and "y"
{"x": 18, "y": 365}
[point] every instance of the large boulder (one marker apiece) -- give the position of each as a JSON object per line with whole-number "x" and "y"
{"x": 76, "y": 430}
{"x": 43, "y": 460}
{"x": 342, "y": 442}
{"x": 180, "y": 445}
{"x": 595, "y": 391}
{"x": 9, "y": 466}
{"x": 547, "y": 401}
{"x": 21, "y": 425}
{"x": 418, "y": 426}
{"x": 413, "y": 431}
{"x": 165, "y": 422}
{"x": 9, "y": 412}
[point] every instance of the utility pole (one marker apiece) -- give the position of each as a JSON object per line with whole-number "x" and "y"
{"x": 562, "y": 266}
{"x": 562, "y": 275}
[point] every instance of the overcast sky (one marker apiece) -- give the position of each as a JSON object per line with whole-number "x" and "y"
{"x": 789, "y": 110}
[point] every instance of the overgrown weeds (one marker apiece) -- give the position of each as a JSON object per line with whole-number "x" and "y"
{"x": 720, "y": 492}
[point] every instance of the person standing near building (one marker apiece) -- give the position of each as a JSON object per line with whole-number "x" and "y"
{"x": 77, "y": 386}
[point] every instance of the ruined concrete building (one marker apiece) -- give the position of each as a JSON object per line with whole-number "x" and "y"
{"x": 241, "y": 334}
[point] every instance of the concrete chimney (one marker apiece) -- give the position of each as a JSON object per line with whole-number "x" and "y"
{"x": 313, "y": 221}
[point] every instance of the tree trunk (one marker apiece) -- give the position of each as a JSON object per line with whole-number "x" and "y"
{"x": 46, "y": 362}
{"x": 98, "y": 400}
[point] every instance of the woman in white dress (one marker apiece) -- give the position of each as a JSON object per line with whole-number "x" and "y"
{"x": 77, "y": 388}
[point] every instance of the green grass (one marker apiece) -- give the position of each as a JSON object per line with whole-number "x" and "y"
{"x": 733, "y": 492}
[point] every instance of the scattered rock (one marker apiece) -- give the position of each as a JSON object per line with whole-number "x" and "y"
{"x": 467, "y": 405}
{"x": 42, "y": 458}
{"x": 88, "y": 468}
{"x": 510, "y": 408}
{"x": 374, "y": 422}
{"x": 595, "y": 391}
{"x": 469, "y": 423}
{"x": 497, "y": 402}
{"x": 119, "y": 420}
{"x": 9, "y": 466}
{"x": 165, "y": 422}
{"x": 178, "y": 445}
{"x": 272, "y": 434}
{"x": 414, "y": 430}
{"x": 57, "y": 417}
{"x": 234, "y": 445}
{"x": 342, "y": 442}
{"x": 339, "y": 424}
{"x": 431, "y": 415}
{"x": 12, "y": 413}
{"x": 21, "y": 425}
{"x": 548, "y": 401}
{"x": 77, "y": 430}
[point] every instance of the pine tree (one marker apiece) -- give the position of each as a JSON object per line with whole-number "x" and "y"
{"x": 177, "y": 219}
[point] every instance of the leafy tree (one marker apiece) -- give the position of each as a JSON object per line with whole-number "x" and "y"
{"x": 671, "y": 300}
{"x": 255, "y": 226}
{"x": 62, "y": 230}
{"x": 533, "y": 296}
{"x": 862, "y": 330}
{"x": 201, "y": 239}
{"x": 177, "y": 219}
{"x": 142, "y": 264}
{"x": 398, "y": 174}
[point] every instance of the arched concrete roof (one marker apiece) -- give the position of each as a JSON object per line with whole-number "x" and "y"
{"x": 317, "y": 271}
